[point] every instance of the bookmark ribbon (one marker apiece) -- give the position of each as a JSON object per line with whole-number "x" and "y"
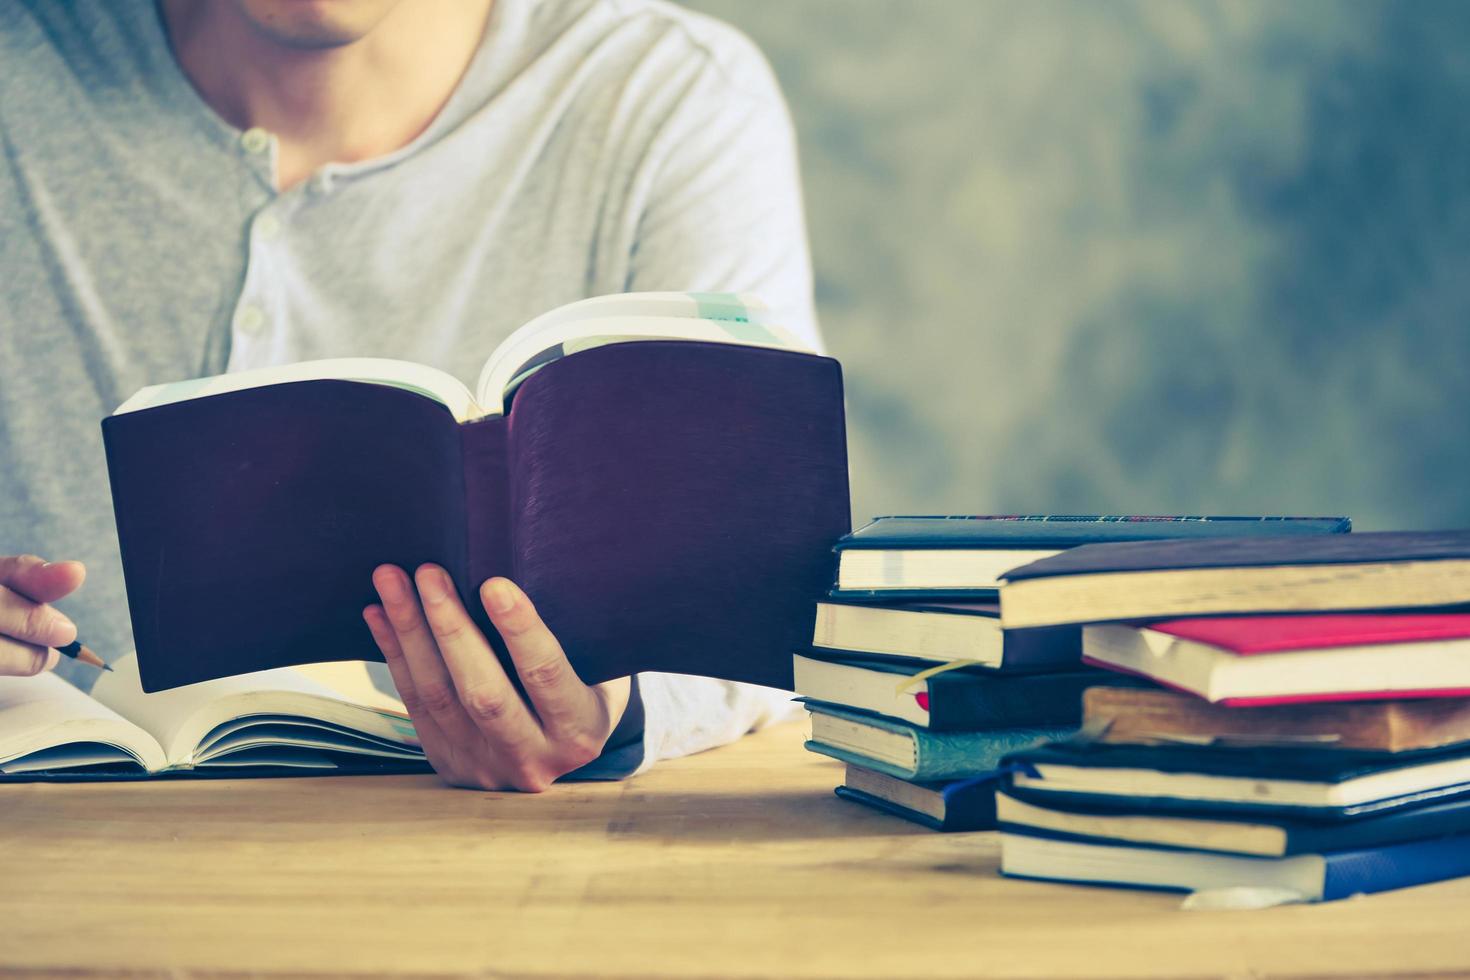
{"x": 914, "y": 680}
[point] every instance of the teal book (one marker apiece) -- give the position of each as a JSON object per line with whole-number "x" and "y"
{"x": 909, "y": 752}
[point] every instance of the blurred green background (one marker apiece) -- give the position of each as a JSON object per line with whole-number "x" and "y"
{"x": 1140, "y": 257}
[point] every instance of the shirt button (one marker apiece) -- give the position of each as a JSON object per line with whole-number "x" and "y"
{"x": 251, "y": 320}
{"x": 267, "y": 226}
{"x": 255, "y": 140}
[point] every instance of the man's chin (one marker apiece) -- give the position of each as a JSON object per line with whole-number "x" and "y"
{"x": 310, "y": 25}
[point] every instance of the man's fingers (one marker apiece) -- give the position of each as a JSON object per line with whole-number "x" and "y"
{"x": 485, "y": 691}
{"x": 32, "y": 622}
{"x": 563, "y": 702}
{"x": 24, "y": 659}
{"x": 40, "y": 580}
{"x": 432, "y": 685}
{"x": 447, "y": 672}
{"x": 27, "y": 585}
{"x": 430, "y": 737}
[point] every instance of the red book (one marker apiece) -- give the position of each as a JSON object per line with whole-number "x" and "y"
{"x": 1254, "y": 660}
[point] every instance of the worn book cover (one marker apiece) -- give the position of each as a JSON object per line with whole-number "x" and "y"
{"x": 912, "y": 752}
{"x": 1142, "y": 715}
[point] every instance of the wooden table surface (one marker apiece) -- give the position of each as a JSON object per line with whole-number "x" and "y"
{"x": 738, "y": 862}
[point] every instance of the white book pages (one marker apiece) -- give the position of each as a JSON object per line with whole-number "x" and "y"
{"x": 181, "y": 719}
{"x": 439, "y": 385}
{"x": 46, "y": 714}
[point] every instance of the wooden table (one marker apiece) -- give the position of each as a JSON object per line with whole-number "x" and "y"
{"x": 738, "y": 862}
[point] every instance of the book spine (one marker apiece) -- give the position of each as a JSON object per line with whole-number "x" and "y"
{"x": 959, "y": 703}
{"x": 964, "y": 754}
{"x": 970, "y": 804}
{"x": 1382, "y": 869}
{"x": 1040, "y": 649}
{"x": 486, "y": 549}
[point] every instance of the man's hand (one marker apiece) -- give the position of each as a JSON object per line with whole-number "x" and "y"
{"x": 475, "y": 728}
{"x": 30, "y": 629}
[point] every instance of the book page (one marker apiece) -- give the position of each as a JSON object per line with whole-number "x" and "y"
{"x": 429, "y": 382}
{"x": 715, "y": 317}
{"x": 184, "y": 719}
{"x": 46, "y": 723}
{"x": 719, "y": 317}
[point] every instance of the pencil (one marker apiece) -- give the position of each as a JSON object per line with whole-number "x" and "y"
{"x": 76, "y": 651}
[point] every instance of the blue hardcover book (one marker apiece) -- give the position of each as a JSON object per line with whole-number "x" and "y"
{"x": 909, "y": 752}
{"x": 1321, "y": 877}
{"x": 946, "y": 805}
{"x": 1257, "y": 835}
{"x": 897, "y": 557}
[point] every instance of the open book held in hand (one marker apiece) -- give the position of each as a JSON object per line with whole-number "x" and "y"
{"x": 663, "y": 473}
{"x": 320, "y": 718}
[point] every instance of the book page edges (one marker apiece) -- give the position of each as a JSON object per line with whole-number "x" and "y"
{"x": 45, "y": 712}
{"x": 433, "y": 383}
{"x": 1161, "y": 594}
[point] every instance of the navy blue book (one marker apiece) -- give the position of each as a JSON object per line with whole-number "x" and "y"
{"x": 1320, "y": 784}
{"x": 952, "y": 805}
{"x": 1323, "y": 877}
{"x": 894, "y": 557}
{"x": 1262, "y": 835}
{"x": 960, "y": 700}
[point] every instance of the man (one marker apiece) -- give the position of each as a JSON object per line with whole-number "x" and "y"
{"x": 214, "y": 185}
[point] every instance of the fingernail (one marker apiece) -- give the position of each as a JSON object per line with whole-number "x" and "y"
{"x": 433, "y": 584}
{"x": 389, "y": 584}
{"x": 500, "y": 595}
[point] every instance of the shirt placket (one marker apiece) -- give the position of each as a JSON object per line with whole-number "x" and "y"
{"x": 257, "y": 327}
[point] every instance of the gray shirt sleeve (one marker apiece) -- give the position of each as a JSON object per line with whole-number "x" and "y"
{"x": 723, "y": 214}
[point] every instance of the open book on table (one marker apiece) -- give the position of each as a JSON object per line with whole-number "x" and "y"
{"x": 318, "y": 718}
{"x": 663, "y": 473}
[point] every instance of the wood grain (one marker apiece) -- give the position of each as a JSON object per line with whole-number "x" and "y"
{"x": 738, "y": 862}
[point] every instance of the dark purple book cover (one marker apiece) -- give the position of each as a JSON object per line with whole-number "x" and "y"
{"x": 668, "y": 506}
{"x": 1321, "y": 549}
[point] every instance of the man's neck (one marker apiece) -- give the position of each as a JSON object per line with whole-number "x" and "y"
{"x": 341, "y": 104}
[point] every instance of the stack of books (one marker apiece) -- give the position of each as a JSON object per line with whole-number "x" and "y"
{"x": 911, "y": 679}
{"x": 1315, "y": 742}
